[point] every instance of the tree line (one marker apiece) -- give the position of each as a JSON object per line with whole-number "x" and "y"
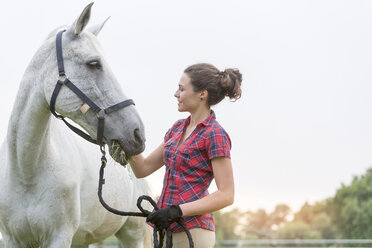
{"x": 346, "y": 215}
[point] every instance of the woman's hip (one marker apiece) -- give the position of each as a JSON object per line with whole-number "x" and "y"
{"x": 202, "y": 238}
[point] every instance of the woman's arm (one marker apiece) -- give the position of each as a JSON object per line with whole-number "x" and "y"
{"x": 223, "y": 197}
{"x": 142, "y": 167}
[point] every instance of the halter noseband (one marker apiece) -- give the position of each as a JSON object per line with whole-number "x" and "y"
{"x": 63, "y": 80}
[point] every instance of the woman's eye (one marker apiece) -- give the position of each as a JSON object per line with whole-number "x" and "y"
{"x": 94, "y": 64}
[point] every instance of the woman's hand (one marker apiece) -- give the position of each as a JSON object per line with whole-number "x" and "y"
{"x": 164, "y": 217}
{"x": 142, "y": 167}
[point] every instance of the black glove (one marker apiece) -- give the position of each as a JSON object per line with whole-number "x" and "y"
{"x": 164, "y": 217}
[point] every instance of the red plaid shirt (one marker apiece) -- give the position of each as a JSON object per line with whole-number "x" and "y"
{"x": 188, "y": 167}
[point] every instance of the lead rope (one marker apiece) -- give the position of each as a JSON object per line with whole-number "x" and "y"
{"x": 143, "y": 213}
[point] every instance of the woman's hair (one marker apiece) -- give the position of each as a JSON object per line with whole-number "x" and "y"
{"x": 218, "y": 83}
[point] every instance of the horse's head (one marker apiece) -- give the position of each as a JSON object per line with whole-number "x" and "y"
{"x": 86, "y": 67}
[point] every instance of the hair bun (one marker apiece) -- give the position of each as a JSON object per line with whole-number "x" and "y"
{"x": 219, "y": 84}
{"x": 230, "y": 82}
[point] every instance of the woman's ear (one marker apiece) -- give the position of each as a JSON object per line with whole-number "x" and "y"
{"x": 203, "y": 94}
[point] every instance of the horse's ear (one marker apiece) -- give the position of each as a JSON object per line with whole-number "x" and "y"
{"x": 82, "y": 21}
{"x": 97, "y": 28}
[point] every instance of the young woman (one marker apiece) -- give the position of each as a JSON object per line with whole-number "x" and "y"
{"x": 195, "y": 150}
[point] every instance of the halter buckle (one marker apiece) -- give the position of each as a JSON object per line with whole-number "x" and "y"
{"x": 101, "y": 114}
{"x": 62, "y": 78}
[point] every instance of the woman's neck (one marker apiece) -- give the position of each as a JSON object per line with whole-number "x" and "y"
{"x": 199, "y": 115}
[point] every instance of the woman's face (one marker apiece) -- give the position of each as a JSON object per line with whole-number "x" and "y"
{"x": 188, "y": 100}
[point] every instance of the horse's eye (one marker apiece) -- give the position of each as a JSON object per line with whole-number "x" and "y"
{"x": 94, "y": 64}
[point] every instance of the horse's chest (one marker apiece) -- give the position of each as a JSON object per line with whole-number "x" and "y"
{"x": 31, "y": 208}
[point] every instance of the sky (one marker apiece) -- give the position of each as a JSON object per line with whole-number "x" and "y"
{"x": 303, "y": 124}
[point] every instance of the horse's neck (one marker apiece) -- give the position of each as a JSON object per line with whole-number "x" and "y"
{"x": 28, "y": 132}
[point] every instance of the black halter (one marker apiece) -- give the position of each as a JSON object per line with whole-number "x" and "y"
{"x": 63, "y": 80}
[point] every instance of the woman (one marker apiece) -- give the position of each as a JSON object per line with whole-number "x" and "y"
{"x": 195, "y": 150}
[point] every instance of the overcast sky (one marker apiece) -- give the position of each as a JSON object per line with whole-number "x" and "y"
{"x": 303, "y": 125}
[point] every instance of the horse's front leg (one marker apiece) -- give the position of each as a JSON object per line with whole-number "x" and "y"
{"x": 12, "y": 243}
{"x": 135, "y": 233}
{"x": 61, "y": 238}
{"x": 62, "y": 225}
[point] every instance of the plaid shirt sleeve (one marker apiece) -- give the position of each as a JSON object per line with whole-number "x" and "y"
{"x": 218, "y": 144}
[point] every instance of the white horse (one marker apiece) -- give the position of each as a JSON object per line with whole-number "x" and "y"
{"x": 48, "y": 174}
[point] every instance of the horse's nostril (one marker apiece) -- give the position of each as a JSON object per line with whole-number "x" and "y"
{"x": 137, "y": 135}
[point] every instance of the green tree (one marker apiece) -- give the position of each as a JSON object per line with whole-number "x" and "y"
{"x": 352, "y": 208}
{"x": 226, "y": 224}
{"x": 257, "y": 224}
{"x": 310, "y": 222}
{"x": 279, "y": 215}
{"x": 322, "y": 223}
{"x": 261, "y": 224}
{"x": 346, "y": 215}
{"x": 298, "y": 230}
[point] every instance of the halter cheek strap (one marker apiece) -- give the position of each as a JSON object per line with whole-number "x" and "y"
{"x": 63, "y": 80}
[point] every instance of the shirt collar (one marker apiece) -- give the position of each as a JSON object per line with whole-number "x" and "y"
{"x": 206, "y": 122}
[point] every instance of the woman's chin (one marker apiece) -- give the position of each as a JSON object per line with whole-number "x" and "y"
{"x": 181, "y": 108}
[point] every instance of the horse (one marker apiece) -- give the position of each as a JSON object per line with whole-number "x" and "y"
{"x": 49, "y": 175}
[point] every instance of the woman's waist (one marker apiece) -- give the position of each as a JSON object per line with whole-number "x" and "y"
{"x": 177, "y": 196}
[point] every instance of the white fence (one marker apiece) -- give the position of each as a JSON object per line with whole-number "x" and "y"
{"x": 303, "y": 243}
{"x": 279, "y": 243}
